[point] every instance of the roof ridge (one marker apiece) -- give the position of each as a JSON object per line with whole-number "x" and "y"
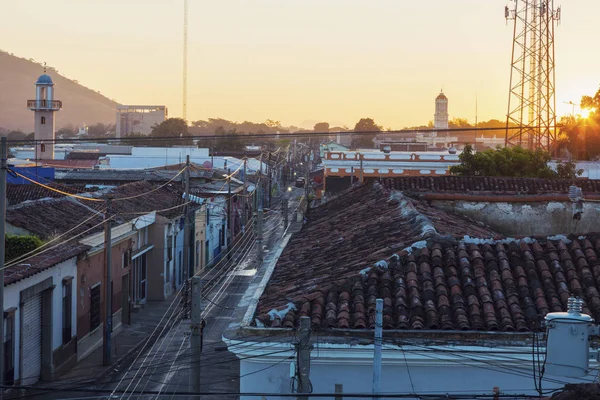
{"x": 410, "y": 213}
{"x": 29, "y": 203}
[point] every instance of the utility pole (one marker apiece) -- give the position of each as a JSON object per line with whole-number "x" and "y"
{"x": 362, "y": 177}
{"x": 259, "y": 235}
{"x": 377, "y": 348}
{"x": 196, "y": 339}
{"x": 186, "y": 236}
{"x": 108, "y": 283}
{"x": 270, "y": 174}
{"x": 284, "y": 206}
{"x": 229, "y": 214}
{"x": 3, "y": 168}
{"x": 304, "y": 348}
{"x": 245, "y": 198}
{"x": 306, "y": 183}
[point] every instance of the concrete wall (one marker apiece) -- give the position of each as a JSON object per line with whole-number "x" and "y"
{"x": 162, "y": 273}
{"x": 199, "y": 239}
{"x": 527, "y": 219}
{"x": 433, "y": 373}
{"x": 44, "y": 132}
{"x": 12, "y": 298}
{"x": 157, "y": 235}
{"x": 90, "y": 272}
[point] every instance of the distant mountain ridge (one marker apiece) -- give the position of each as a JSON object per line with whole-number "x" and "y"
{"x": 80, "y": 104}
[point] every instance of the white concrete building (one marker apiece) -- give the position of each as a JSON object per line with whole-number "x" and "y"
{"x": 440, "y": 118}
{"x": 153, "y": 157}
{"x": 139, "y": 119}
{"x": 341, "y": 166}
{"x": 40, "y": 311}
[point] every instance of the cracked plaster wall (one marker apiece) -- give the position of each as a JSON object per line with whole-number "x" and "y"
{"x": 527, "y": 219}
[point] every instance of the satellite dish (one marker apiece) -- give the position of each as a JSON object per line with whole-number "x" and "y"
{"x": 207, "y": 165}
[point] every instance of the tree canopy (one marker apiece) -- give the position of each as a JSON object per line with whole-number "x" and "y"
{"x": 362, "y": 140}
{"x": 321, "y": 127}
{"x": 511, "y": 162}
{"x": 579, "y": 135}
{"x": 172, "y": 127}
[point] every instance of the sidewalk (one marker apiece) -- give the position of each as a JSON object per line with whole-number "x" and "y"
{"x": 125, "y": 346}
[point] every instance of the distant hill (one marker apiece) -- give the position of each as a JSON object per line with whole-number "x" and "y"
{"x": 17, "y": 79}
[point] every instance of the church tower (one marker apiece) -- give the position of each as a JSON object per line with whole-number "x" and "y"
{"x": 440, "y": 119}
{"x": 44, "y": 106}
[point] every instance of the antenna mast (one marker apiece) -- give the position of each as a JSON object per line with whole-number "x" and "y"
{"x": 531, "y": 101}
{"x": 185, "y": 56}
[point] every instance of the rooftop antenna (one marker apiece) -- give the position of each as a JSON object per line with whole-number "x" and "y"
{"x": 531, "y": 102}
{"x": 185, "y": 56}
{"x": 475, "y": 109}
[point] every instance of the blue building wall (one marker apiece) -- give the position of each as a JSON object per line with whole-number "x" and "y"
{"x": 39, "y": 174}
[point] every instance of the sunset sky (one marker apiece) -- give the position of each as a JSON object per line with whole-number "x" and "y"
{"x": 299, "y": 60}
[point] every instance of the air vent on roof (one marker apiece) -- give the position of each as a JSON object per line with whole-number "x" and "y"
{"x": 575, "y": 193}
{"x": 576, "y": 197}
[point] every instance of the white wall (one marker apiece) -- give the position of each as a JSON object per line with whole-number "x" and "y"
{"x": 12, "y": 296}
{"x": 171, "y": 268}
{"x": 441, "y": 372}
{"x": 217, "y": 211}
{"x": 527, "y": 219}
{"x": 152, "y": 157}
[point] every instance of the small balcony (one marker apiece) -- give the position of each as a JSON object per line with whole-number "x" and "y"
{"x": 50, "y": 105}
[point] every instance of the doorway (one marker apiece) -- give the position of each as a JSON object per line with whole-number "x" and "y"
{"x": 125, "y": 301}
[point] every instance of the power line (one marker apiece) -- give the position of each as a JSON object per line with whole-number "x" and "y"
{"x": 281, "y": 136}
{"x": 390, "y": 395}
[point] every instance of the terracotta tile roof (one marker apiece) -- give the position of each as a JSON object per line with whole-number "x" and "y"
{"x": 41, "y": 262}
{"x": 48, "y": 217}
{"x": 196, "y": 170}
{"x": 166, "y": 197}
{"x": 16, "y": 194}
{"x": 464, "y": 184}
{"x": 129, "y": 175}
{"x": 67, "y": 164}
{"x": 578, "y": 391}
{"x": 496, "y": 286}
{"x": 351, "y": 232}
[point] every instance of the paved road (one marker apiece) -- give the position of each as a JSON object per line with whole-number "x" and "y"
{"x": 165, "y": 368}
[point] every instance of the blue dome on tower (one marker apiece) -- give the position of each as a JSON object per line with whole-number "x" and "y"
{"x": 44, "y": 80}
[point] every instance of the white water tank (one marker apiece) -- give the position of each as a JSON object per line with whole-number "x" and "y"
{"x": 568, "y": 349}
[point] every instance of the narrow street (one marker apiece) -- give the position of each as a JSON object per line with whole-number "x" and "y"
{"x": 164, "y": 366}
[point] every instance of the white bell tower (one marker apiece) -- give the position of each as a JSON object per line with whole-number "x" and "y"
{"x": 44, "y": 106}
{"x": 440, "y": 118}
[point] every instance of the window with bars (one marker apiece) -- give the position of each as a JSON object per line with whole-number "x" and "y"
{"x": 67, "y": 311}
{"x": 126, "y": 258}
{"x": 169, "y": 248}
{"x": 95, "y": 307}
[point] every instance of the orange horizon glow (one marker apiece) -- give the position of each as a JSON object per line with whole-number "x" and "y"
{"x": 299, "y": 61}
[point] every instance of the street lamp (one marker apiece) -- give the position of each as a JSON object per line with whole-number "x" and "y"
{"x": 573, "y": 104}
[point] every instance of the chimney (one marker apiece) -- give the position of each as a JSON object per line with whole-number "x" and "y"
{"x": 567, "y": 346}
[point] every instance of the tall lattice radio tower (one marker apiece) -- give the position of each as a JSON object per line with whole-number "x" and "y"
{"x": 531, "y": 101}
{"x": 185, "y": 57}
